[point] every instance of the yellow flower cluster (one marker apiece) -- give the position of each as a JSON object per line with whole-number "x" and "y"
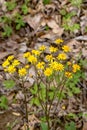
{"x": 10, "y": 64}
{"x": 47, "y": 65}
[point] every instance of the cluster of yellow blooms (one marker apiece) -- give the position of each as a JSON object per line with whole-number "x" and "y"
{"x": 48, "y": 65}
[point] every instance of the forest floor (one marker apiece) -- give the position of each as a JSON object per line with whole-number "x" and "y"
{"x": 25, "y": 25}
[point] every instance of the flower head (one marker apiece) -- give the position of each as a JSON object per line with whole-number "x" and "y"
{"x": 68, "y": 74}
{"x": 32, "y": 59}
{"x": 53, "y": 49}
{"x": 42, "y": 48}
{"x": 11, "y": 69}
{"x": 15, "y": 62}
{"x": 75, "y": 67}
{"x": 11, "y": 57}
{"x": 49, "y": 58}
{"x": 62, "y": 56}
{"x": 26, "y": 54}
{"x": 58, "y": 41}
{"x": 60, "y": 67}
{"x": 22, "y": 72}
{"x": 48, "y": 72}
{"x": 66, "y": 48}
{"x": 5, "y": 63}
{"x": 40, "y": 65}
{"x": 36, "y": 52}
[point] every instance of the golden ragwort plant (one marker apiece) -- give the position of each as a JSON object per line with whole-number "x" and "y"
{"x": 52, "y": 71}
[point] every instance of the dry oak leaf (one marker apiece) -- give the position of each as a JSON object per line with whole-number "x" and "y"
{"x": 55, "y": 27}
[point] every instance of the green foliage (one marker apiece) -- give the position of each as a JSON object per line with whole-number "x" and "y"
{"x": 44, "y": 126}
{"x": 45, "y": 2}
{"x": 3, "y": 102}
{"x": 63, "y": 12}
{"x": 67, "y": 20}
{"x": 7, "y": 31}
{"x": 6, "y": 20}
{"x": 11, "y": 5}
{"x": 24, "y": 9}
{"x": 71, "y": 116}
{"x": 71, "y": 84}
{"x": 70, "y": 126}
{"x": 19, "y": 21}
{"x": 86, "y": 29}
{"x": 76, "y": 3}
{"x": 34, "y": 92}
{"x": 9, "y": 84}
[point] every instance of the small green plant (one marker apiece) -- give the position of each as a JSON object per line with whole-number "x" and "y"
{"x": 24, "y": 9}
{"x": 76, "y": 3}
{"x": 7, "y": 31}
{"x": 70, "y": 126}
{"x": 19, "y": 21}
{"x": 9, "y": 84}
{"x": 45, "y": 2}
{"x": 11, "y": 5}
{"x": 3, "y": 102}
{"x": 67, "y": 22}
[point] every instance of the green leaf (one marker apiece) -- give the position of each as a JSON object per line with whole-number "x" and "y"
{"x": 9, "y": 84}
{"x": 34, "y": 89}
{"x": 70, "y": 126}
{"x": 3, "y": 102}
{"x": 24, "y": 9}
{"x": 45, "y": 2}
{"x": 44, "y": 126}
{"x": 7, "y": 31}
{"x": 11, "y": 5}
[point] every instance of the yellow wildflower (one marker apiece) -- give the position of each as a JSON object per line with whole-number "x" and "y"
{"x": 26, "y": 54}
{"x": 22, "y": 72}
{"x": 49, "y": 57}
{"x": 32, "y": 59}
{"x": 40, "y": 65}
{"x": 75, "y": 67}
{"x": 42, "y": 48}
{"x": 66, "y": 48}
{"x": 10, "y": 58}
{"x": 58, "y": 41}
{"x": 5, "y": 63}
{"x": 36, "y": 52}
{"x": 63, "y": 107}
{"x": 27, "y": 66}
{"x": 60, "y": 67}
{"x": 62, "y": 56}
{"x": 11, "y": 69}
{"x": 68, "y": 63}
{"x": 68, "y": 74}
{"x": 53, "y": 49}
{"x": 48, "y": 72}
{"x": 15, "y": 62}
{"x": 54, "y": 65}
